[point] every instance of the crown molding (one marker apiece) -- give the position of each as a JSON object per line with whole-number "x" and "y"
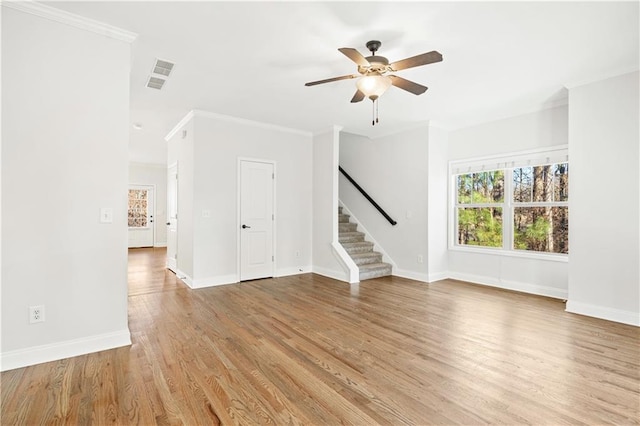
{"x": 246, "y": 122}
{"x": 71, "y": 19}
{"x": 180, "y": 125}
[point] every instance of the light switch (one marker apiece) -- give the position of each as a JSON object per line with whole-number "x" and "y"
{"x": 106, "y": 215}
{"x": 206, "y": 213}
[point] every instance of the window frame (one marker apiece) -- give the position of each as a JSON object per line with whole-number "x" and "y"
{"x": 506, "y": 163}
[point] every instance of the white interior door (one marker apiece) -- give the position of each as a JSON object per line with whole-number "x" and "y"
{"x": 256, "y": 219}
{"x": 141, "y": 212}
{"x": 172, "y": 217}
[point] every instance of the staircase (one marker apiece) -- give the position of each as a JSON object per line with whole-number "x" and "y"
{"x": 369, "y": 262}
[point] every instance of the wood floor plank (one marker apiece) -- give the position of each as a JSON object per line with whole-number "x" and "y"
{"x": 308, "y": 350}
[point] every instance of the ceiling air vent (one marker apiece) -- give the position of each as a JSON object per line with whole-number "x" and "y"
{"x": 155, "y": 82}
{"x": 162, "y": 67}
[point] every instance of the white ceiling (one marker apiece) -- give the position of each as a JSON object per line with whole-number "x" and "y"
{"x": 251, "y": 60}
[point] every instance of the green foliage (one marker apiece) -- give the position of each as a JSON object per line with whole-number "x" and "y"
{"x": 532, "y": 236}
{"x": 480, "y": 227}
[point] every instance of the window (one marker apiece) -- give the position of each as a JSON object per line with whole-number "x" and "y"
{"x": 138, "y": 208}
{"x": 479, "y": 207}
{"x": 517, "y": 203}
{"x": 540, "y": 208}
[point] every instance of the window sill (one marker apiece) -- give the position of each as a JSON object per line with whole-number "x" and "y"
{"x": 564, "y": 258}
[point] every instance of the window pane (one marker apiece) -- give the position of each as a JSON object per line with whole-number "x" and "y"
{"x": 561, "y": 182}
{"x": 522, "y": 184}
{"x": 544, "y": 229}
{"x": 138, "y": 208}
{"x": 495, "y": 186}
{"x": 479, "y": 188}
{"x": 543, "y": 183}
{"x": 464, "y": 188}
{"x": 488, "y": 187}
{"x": 480, "y": 226}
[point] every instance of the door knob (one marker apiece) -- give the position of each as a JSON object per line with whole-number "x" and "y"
{"x": 168, "y": 223}
{"x": 245, "y": 227}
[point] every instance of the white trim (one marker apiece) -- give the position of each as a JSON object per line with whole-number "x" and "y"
{"x": 182, "y": 276}
{"x": 71, "y": 19}
{"x": 252, "y": 123}
{"x": 329, "y": 273}
{"x": 213, "y": 281}
{"x": 438, "y": 276}
{"x": 524, "y": 254}
{"x": 490, "y": 160}
{"x": 600, "y": 77}
{"x": 293, "y": 270}
{"x": 345, "y": 260}
{"x": 603, "y": 312}
{"x": 164, "y": 244}
{"x": 412, "y": 275}
{"x": 66, "y": 349}
{"x": 530, "y": 288}
{"x": 185, "y": 120}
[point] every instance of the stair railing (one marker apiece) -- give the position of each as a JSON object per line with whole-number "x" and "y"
{"x": 364, "y": 193}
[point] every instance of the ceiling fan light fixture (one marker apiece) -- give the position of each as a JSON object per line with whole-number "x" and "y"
{"x": 373, "y": 86}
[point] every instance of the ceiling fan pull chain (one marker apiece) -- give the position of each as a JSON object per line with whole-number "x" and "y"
{"x": 377, "y": 103}
{"x": 373, "y": 112}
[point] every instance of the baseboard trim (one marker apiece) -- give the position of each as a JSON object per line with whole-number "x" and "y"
{"x": 539, "y": 290}
{"x": 214, "y": 281}
{"x": 438, "y": 276}
{"x": 285, "y": 272}
{"x": 412, "y": 275}
{"x": 54, "y": 351}
{"x": 181, "y": 275}
{"x": 603, "y": 312}
{"x": 336, "y": 275}
{"x": 160, "y": 245}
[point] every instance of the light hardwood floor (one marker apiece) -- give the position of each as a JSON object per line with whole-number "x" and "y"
{"x": 309, "y": 350}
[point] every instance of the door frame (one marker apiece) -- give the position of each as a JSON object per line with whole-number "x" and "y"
{"x": 239, "y": 218}
{"x": 152, "y": 208}
{"x": 168, "y": 217}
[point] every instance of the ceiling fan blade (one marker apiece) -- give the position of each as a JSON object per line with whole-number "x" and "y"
{"x": 359, "y": 96}
{"x": 416, "y": 61}
{"x": 409, "y": 86}
{"x": 355, "y": 56}
{"x": 329, "y": 80}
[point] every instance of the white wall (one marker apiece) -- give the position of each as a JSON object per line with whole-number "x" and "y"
{"x": 437, "y": 212}
{"x": 180, "y": 151}
{"x": 393, "y": 170}
{"x": 540, "y": 129}
{"x": 65, "y": 115}
{"x": 156, "y": 175}
{"x": 604, "y": 276}
{"x": 208, "y": 173}
{"x": 325, "y": 206}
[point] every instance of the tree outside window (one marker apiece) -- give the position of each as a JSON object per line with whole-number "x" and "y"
{"x": 535, "y": 211}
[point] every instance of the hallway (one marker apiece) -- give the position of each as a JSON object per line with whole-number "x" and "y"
{"x": 147, "y": 272}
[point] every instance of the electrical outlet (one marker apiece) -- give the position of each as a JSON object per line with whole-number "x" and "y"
{"x": 297, "y": 253}
{"x": 420, "y": 259}
{"x": 36, "y": 314}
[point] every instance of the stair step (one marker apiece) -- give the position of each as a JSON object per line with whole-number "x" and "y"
{"x": 339, "y": 209}
{"x": 366, "y": 258}
{"x": 347, "y": 227}
{"x": 350, "y": 237}
{"x": 374, "y": 270}
{"x": 343, "y": 218}
{"x": 358, "y": 247}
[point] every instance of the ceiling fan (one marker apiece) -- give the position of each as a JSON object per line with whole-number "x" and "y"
{"x": 374, "y": 73}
